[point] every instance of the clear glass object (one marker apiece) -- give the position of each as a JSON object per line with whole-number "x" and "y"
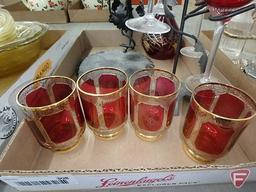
{"x": 193, "y": 81}
{"x": 148, "y": 23}
{"x": 104, "y": 96}
{"x": 248, "y": 54}
{"x": 153, "y": 94}
{"x": 52, "y": 110}
{"x": 190, "y": 50}
{"x": 249, "y": 67}
{"x": 216, "y": 8}
{"x": 216, "y": 117}
{"x": 25, "y": 47}
{"x": 236, "y": 33}
{"x": 232, "y": 47}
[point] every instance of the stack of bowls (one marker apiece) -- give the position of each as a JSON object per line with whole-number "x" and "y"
{"x": 7, "y": 27}
{"x": 19, "y": 43}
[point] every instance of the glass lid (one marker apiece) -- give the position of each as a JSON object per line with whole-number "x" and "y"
{"x": 26, "y": 32}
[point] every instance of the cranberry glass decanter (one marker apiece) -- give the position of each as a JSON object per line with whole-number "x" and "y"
{"x": 161, "y": 46}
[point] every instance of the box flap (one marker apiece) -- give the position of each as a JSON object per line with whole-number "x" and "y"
{"x": 21, "y": 13}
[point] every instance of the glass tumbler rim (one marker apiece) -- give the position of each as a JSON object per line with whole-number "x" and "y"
{"x": 201, "y": 108}
{"x": 152, "y": 96}
{"x": 46, "y": 107}
{"x": 102, "y": 94}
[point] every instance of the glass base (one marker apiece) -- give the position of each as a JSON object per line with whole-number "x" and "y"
{"x": 190, "y": 52}
{"x": 196, "y": 157}
{"x": 193, "y": 81}
{"x": 64, "y": 149}
{"x": 149, "y": 138}
{"x": 71, "y": 148}
{"x": 108, "y": 135}
{"x": 147, "y": 24}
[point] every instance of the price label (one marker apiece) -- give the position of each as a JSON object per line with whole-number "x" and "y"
{"x": 43, "y": 69}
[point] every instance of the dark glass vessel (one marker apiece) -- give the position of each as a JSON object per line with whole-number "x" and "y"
{"x": 161, "y": 46}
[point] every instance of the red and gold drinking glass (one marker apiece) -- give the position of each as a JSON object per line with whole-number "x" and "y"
{"x": 52, "y": 110}
{"x": 103, "y": 92}
{"x": 153, "y": 94}
{"x": 216, "y": 117}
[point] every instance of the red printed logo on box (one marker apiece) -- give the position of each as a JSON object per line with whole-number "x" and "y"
{"x": 116, "y": 182}
{"x": 239, "y": 177}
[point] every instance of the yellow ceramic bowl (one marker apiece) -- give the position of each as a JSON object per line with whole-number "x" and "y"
{"x": 20, "y": 54}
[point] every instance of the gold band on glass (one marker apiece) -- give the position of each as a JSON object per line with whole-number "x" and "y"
{"x": 99, "y": 94}
{"x": 152, "y": 96}
{"x": 46, "y": 107}
{"x": 218, "y": 116}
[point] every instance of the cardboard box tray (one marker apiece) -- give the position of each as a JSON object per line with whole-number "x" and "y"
{"x": 126, "y": 158}
{"x": 21, "y": 13}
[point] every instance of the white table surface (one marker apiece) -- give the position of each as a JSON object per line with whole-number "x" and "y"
{"x": 207, "y": 25}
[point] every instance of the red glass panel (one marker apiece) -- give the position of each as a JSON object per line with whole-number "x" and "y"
{"x": 229, "y": 106}
{"x": 108, "y": 83}
{"x": 60, "y": 127}
{"x": 38, "y": 98}
{"x": 115, "y": 112}
{"x": 123, "y": 82}
{"x": 150, "y": 117}
{"x": 249, "y": 114}
{"x": 205, "y": 98}
{"x": 132, "y": 103}
{"x": 88, "y": 86}
{"x": 164, "y": 86}
{"x": 126, "y": 103}
{"x": 142, "y": 85}
{"x": 61, "y": 91}
{"x": 91, "y": 114}
{"x": 75, "y": 105}
{"x": 190, "y": 121}
{"x": 170, "y": 113}
{"x": 212, "y": 139}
